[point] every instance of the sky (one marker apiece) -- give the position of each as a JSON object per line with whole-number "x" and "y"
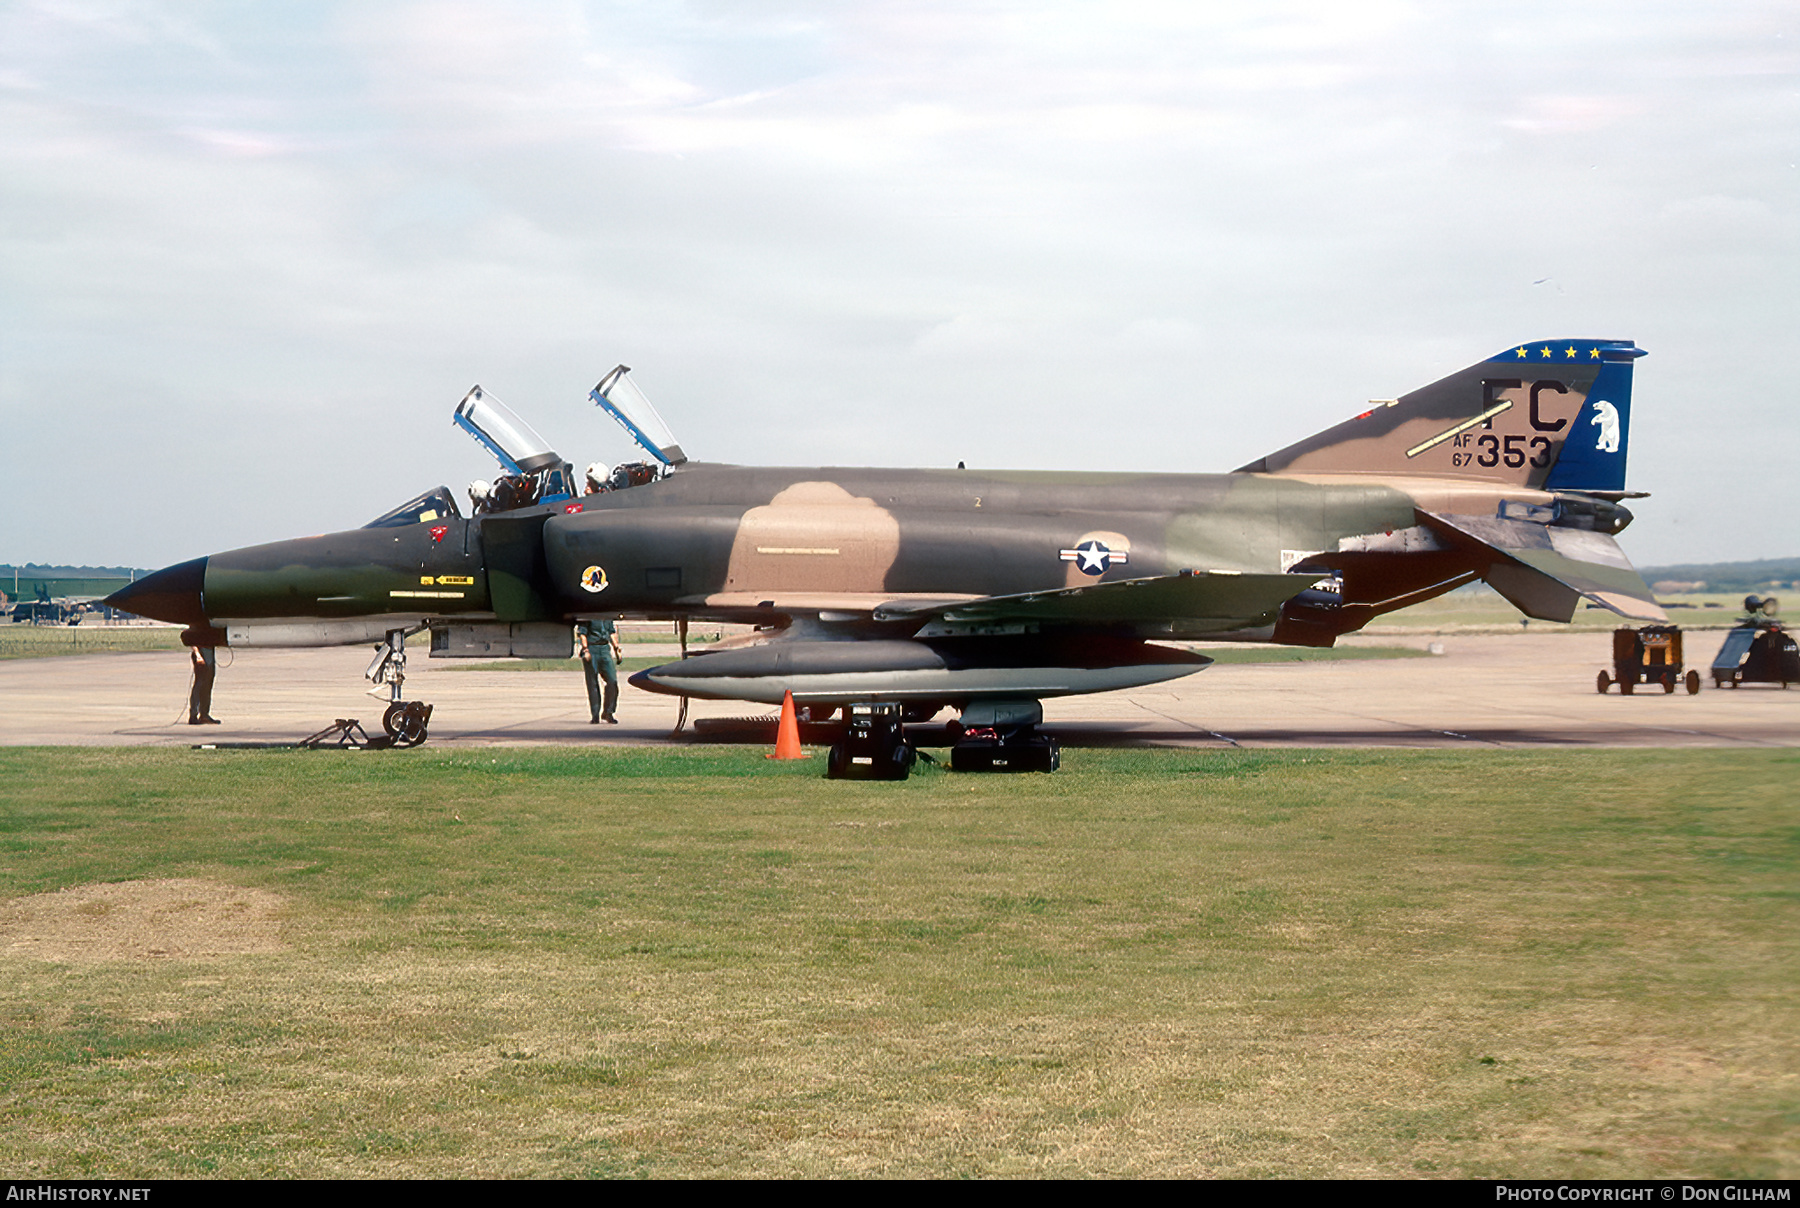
{"x": 253, "y": 253}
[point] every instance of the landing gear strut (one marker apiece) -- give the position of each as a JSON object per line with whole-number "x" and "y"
{"x": 681, "y": 634}
{"x": 404, "y": 721}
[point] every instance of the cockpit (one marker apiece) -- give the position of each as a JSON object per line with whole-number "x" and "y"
{"x": 621, "y": 477}
{"x": 619, "y": 397}
{"x": 436, "y": 504}
{"x": 535, "y": 474}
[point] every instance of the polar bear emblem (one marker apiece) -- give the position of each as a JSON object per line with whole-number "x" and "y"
{"x": 1607, "y": 416}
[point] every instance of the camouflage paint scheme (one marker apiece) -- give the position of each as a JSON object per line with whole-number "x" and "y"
{"x": 1510, "y": 471}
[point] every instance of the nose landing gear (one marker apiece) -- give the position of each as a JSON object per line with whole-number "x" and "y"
{"x": 405, "y": 721}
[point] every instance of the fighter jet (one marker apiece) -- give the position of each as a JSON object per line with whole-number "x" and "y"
{"x": 986, "y": 591}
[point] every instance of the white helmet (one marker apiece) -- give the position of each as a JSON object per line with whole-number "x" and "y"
{"x": 596, "y": 474}
{"x": 479, "y": 490}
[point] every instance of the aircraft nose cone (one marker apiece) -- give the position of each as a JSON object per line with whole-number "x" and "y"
{"x": 170, "y": 594}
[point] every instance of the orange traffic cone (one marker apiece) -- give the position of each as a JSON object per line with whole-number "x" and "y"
{"x": 787, "y": 735}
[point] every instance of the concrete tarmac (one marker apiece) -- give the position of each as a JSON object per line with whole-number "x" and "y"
{"x": 1483, "y": 691}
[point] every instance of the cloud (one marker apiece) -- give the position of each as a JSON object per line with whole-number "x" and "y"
{"x": 1565, "y": 114}
{"x": 244, "y": 246}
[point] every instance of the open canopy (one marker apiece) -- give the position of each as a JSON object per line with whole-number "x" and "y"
{"x": 620, "y": 398}
{"x": 509, "y": 438}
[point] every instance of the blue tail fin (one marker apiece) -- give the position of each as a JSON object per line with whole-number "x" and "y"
{"x": 1593, "y": 453}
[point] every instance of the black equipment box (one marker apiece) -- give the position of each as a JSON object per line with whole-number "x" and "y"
{"x": 986, "y": 749}
{"x": 873, "y": 747}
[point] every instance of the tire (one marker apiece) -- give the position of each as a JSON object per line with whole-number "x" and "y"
{"x": 1602, "y": 682}
{"x": 406, "y": 722}
{"x": 1693, "y": 683}
{"x": 1668, "y": 685}
{"x": 1625, "y": 687}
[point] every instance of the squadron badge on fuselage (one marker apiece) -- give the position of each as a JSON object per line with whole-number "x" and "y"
{"x": 594, "y": 579}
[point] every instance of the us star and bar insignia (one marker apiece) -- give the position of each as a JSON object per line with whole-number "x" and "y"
{"x": 1094, "y": 558}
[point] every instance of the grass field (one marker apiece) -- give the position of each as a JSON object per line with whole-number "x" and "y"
{"x": 697, "y": 962}
{"x": 1481, "y": 609}
{"x": 18, "y": 641}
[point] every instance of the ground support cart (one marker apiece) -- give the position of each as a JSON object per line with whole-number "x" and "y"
{"x": 1759, "y": 650}
{"x": 1650, "y": 655}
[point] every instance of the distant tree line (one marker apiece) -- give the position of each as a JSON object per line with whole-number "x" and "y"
{"x": 45, "y": 571}
{"x": 1762, "y": 575}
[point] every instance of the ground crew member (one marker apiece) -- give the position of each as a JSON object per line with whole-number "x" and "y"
{"x": 205, "y": 668}
{"x": 600, "y": 658}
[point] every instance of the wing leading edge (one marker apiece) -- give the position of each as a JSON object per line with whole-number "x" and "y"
{"x": 1203, "y": 600}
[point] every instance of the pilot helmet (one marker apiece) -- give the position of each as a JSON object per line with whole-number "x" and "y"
{"x": 596, "y": 477}
{"x": 479, "y": 490}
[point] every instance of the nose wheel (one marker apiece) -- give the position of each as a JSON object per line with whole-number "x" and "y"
{"x": 406, "y": 721}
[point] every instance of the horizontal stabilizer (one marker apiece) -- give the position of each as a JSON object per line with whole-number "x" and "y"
{"x": 1209, "y": 600}
{"x": 1544, "y": 571}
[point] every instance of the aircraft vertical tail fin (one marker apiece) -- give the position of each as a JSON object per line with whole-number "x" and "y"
{"x": 1550, "y": 415}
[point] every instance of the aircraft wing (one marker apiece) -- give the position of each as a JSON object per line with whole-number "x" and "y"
{"x": 1211, "y": 600}
{"x": 1219, "y": 600}
{"x": 827, "y": 605}
{"x": 1544, "y": 571}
